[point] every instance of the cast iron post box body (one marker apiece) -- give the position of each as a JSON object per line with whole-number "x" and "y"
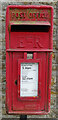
{"x": 29, "y": 30}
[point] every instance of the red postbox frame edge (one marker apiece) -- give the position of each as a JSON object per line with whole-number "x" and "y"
{"x": 28, "y": 112}
{"x": 29, "y": 6}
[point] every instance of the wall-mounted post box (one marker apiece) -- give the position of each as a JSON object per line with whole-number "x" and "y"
{"x": 29, "y": 47}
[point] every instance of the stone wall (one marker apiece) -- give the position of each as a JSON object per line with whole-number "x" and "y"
{"x": 53, "y": 111}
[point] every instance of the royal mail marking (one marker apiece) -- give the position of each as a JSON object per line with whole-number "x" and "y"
{"x": 29, "y": 80}
{"x": 29, "y": 14}
{"x": 31, "y": 40}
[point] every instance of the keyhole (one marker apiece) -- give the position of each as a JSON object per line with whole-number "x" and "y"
{"x": 16, "y": 82}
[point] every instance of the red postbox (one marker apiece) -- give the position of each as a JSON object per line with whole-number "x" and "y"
{"x": 29, "y": 31}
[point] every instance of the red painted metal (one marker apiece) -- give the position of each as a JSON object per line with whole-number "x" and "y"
{"x": 29, "y": 29}
{"x": 30, "y": 23}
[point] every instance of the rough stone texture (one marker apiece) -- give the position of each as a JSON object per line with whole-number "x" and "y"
{"x": 0, "y": 65}
{"x": 53, "y": 111}
{"x": 57, "y": 58}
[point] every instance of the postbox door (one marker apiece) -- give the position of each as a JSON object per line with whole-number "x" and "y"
{"x": 28, "y": 103}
